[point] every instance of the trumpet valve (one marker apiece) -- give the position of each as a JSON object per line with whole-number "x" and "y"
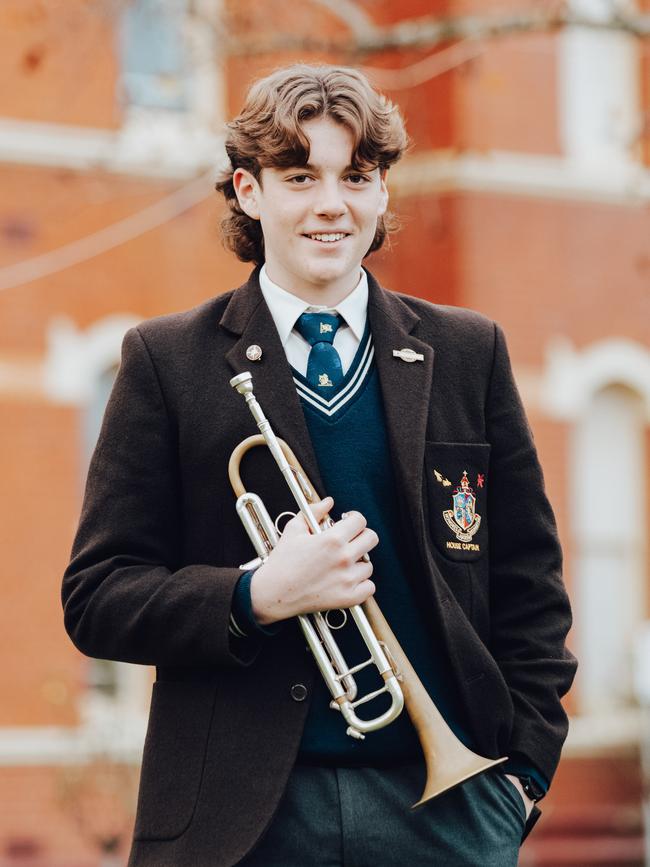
{"x": 391, "y": 661}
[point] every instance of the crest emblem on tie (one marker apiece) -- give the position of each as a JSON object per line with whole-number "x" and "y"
{"x": 323, "y": 379}
{"x": 462, "y": 519}
{"x": 325, "y": 328}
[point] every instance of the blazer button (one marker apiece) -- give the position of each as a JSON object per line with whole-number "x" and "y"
{"x": 299, "y": 692}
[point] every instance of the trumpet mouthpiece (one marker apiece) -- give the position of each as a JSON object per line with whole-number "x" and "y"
{"x": 243, "y": 382}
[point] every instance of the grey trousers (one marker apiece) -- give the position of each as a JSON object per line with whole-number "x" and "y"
{"x": 362, "y": 817}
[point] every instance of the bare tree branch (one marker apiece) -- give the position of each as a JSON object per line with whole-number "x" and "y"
{"x": 351, "y": 13}
{"x": 428, "y": 32}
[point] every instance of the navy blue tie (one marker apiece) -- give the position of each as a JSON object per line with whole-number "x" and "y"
{"x": 324, "y": 368}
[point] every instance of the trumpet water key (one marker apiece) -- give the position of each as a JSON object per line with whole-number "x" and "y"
{"x": 449, "y": 762}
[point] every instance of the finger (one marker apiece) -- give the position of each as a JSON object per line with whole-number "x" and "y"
{"x": 349, "y": 526}
{"x": 364, "y": 542}
{"x": 322, "y": 508}
{"x": 298, "y": 524}
{"x": 360, "y": 571}
{"x": 363, "y": 591}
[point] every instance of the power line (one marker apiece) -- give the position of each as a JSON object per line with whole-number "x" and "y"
{"x": 427, "y": 68}
{"x": 109, "y": 237}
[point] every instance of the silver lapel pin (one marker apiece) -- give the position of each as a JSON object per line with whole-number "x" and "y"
{"x": 254, "y": 352}
{"x": 408, "y": 355}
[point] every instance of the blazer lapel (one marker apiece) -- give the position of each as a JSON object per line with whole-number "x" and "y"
{"x": 406, "y": 391}
{"x": 248, "y": 316}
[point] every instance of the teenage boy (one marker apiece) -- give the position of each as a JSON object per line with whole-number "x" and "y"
{"x": 407, "y": 415}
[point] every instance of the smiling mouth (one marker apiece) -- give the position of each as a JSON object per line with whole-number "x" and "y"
{"x": 327, "y": 237}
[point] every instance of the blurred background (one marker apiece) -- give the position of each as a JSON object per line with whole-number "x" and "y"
{"x": 526, "y": 196}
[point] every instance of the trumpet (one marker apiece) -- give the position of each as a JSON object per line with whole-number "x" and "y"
{"x": 448, "y": 761}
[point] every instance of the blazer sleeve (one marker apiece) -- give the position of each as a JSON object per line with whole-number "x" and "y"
{"x": 124, "y": 595}
{"x": 529, "y": 607}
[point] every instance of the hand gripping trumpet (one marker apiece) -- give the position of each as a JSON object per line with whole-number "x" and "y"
{"x": 449, "y": 762}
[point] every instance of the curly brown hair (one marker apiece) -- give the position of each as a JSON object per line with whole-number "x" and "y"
{"x": 267, "y": 133}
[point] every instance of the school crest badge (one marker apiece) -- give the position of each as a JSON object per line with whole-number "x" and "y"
{"x": 463, "y": 519}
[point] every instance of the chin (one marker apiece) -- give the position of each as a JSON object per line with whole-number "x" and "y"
{"x": 320, "y": 277}
{"x": 328, "y": 274}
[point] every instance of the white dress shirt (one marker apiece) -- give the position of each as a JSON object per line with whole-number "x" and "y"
{"x": 286, "y": 308}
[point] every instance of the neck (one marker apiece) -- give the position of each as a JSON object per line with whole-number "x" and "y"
{"x": 317, "y": 296}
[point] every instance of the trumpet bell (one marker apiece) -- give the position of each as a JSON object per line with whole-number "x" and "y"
{"x": 448, "y": 770}
{"x": 449, "y": 762}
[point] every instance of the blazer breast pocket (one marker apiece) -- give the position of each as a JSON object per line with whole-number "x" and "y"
{"x": 457, "y": 478}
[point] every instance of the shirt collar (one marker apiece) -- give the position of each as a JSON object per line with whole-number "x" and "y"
{"x": 286, "y": 308}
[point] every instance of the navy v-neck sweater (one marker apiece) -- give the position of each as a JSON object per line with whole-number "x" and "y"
{"x": 348, "y": 433}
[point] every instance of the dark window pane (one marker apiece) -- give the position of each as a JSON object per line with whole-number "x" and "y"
{"x": 152, "y": 48}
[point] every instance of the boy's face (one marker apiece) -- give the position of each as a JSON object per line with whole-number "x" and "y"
{"x": 318, "y": 220}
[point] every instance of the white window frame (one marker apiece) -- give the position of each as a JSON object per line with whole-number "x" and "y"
{"x": 569, "y": 381}
{"x": 75, "y": 361}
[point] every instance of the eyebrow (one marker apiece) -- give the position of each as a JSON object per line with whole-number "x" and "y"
{"x": 311, "y": 167}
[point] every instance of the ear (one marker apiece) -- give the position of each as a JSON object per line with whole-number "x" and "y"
{"x": 247, "y": 190}
{"x": 383, "y": 201}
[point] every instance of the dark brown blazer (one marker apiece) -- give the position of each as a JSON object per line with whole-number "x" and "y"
{"x": 155, "y": 560}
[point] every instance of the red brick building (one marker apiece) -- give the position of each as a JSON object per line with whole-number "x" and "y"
{"x": 526, "y": 196}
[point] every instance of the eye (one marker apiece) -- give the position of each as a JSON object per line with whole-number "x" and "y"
{"x": 358, "y": 180}
{"x": 298, "y": 180}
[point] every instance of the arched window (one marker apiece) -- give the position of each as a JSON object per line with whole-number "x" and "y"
{"x": 116, "y": 692}
{"x": 93, "y": 414}
{"x": 80, "y": 369}
{"x": 608, "y": 510}
{"x": 602, "y": 392}
{"x": 103, "y": 676}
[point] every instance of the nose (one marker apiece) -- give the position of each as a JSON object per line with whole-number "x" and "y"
{"x": 330, "y": 202}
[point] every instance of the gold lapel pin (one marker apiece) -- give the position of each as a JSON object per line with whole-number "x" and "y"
{"x": 409, "y": 355}
{"x": 254, "y": 352}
